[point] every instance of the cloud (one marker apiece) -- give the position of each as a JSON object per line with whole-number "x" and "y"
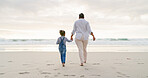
{"x": 108, "y": 7}
{"x": 51, "y": 15}
{"x": 119, "y": 6}
{"x": 28, "y": 5}
{"x": 65, "y": 12}
{"x": 132, "y": 8}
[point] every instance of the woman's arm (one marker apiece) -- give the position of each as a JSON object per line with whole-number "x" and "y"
{"x": 71, "y": 37}
{"x": 73, "y": 31}
{"x": 88, "y": 28}
{"x": 93, "y": 36}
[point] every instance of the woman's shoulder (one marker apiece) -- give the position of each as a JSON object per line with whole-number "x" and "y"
{"x": 81, "y": 20}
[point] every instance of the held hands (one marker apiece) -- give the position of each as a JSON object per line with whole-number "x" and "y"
{"x": 71, "y": 37}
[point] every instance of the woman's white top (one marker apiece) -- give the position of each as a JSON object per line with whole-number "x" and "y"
{"x": 81, "y": 28}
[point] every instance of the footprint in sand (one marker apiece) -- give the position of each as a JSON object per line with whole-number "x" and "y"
{"x": 119, "y": 72}
{"x": 45, "y": 72}
{"x": 25, "y": 64}
{"x": 96, "y": 63}
{"x": 55, "y": 69}
{"x": 122, "y": 74}
{"x": 119, "y": 76}
{"x": 55, "y": 75}
{"x": 86, "y": 68}
{"x": 10, "y": 61}
{"x": 2, "y": 73}
{"x": 58, "y": 73}
{"x": 82, "y": 76}
{"x": 24, "y": 72}
{"x": 128, "y": 76}
{"x": 50, "y": 64}
{"x": 95, "y": 75}
{"x": 69, "y": 75}
{"x": 65, "y": 75}
{"x": 128, "y": 58}
{"x": 46, "y": 76}
{"x": 140, "y": 63}
{"x": 73, "y": 75}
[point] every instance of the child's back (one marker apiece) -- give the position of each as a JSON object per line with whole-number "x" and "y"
{"x": 62, "y": 46}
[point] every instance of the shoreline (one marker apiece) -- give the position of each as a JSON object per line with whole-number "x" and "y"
{"x": 73, "y": 48}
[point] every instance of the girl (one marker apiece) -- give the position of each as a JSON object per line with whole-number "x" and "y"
{"x": 62, "y": 46}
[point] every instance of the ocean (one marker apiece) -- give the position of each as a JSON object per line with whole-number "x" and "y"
{"x": 100, "y": 45}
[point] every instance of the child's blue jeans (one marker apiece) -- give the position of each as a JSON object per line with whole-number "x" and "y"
{"x": 63, "y": 54}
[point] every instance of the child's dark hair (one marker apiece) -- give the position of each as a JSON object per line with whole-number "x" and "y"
{"x": 62, "y": 32}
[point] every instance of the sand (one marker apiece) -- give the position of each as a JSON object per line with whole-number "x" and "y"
{"x": 48, "y": 65}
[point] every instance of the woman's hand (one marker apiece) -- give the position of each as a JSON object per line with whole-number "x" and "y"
{"x": 71, "y": 37}
{"x": 93, "y": 36}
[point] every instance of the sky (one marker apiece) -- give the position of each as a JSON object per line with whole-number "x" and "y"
{"x": 42, "y": 19}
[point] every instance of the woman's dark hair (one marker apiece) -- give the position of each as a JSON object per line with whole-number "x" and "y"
{"x": 62, "y": 32}
{"x": 81, "y": 15}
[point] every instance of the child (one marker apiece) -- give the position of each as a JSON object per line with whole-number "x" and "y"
{"x": 62, "y": 46}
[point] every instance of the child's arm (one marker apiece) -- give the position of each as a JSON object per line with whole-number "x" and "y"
{"x": 68, "y": 40}
{"x": 58, "y": 41}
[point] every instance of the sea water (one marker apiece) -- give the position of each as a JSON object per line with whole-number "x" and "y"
{"x": 100, "y": 45}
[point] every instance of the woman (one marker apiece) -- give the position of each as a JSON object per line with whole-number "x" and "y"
{"x": 82, "y": 30}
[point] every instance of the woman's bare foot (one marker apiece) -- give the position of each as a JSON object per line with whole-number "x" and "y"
{"x": 81, "y": 64}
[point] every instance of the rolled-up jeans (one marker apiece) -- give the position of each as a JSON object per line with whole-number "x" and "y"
{"x": 63, "y": 54}
{"x": 82, "y": 45}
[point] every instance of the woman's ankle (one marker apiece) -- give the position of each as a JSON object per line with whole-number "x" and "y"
{"x": 81, "y": 64}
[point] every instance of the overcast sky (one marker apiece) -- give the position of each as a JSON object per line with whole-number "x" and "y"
{"x": 44, "y": 18}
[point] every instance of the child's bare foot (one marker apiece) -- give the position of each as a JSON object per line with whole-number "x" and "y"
{"x": 81, "y": 64}
{"x": 63, "y": 64}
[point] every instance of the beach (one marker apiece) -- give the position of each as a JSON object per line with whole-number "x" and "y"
{"x": 48, "y": 65}
{"x": 114, "y": 33}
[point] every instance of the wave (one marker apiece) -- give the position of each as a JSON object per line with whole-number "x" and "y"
{"x": 105, "y": 41}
